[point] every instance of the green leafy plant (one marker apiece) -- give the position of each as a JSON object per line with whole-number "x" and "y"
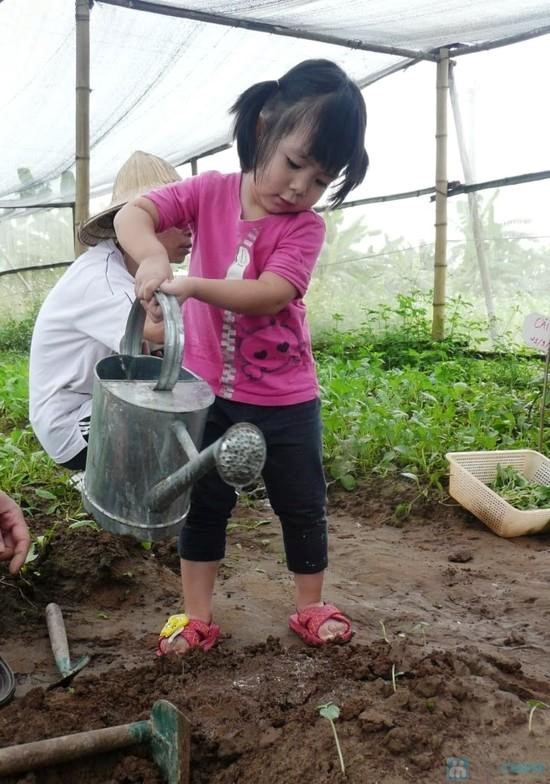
{"x": 16, "y": 334}
{"x": 534, "y": 705}
{"x": 394, "y": 402}
{"x": 518, "y": 490}
{"x": 331, "y": 712}
{"x": 38, "y": 550}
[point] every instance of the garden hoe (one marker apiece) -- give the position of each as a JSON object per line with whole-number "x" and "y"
{"x": 60, "y": 647}
{"x": 168, "y": 732}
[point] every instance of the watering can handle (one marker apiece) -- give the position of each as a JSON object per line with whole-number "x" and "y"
{"x": 173, "y": 337}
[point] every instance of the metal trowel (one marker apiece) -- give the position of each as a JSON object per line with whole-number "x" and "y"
{"x": 60, "y": 647}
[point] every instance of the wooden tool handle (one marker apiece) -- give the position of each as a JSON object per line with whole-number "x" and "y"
{"x": 58, "y": 637}
{"x": 28, "y": 756}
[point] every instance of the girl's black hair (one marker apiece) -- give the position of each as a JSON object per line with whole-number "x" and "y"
{"x": 315, "y": 95}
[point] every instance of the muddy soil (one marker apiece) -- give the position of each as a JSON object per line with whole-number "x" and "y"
{"x": 452, "y": 642}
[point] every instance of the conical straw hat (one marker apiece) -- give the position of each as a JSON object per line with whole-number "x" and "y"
{"x": 141, "y": 173}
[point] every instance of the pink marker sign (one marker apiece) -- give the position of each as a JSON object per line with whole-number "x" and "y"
{"x": 536, "y": 331}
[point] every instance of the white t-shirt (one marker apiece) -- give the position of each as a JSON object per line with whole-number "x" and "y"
{"x": 82, "y": 320}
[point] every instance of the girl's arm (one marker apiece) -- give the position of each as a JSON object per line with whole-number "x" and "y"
{"x": 135, "y": 227}
{"x": 266, "y": 296}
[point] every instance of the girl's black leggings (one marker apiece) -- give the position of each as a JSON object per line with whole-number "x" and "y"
{"x": 293, "y": 477}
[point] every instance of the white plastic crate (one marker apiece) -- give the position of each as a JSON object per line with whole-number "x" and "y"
{"x": 469, "y": 475}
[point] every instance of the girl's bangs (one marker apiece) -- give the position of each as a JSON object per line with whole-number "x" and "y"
{"x": 335, "y": 135}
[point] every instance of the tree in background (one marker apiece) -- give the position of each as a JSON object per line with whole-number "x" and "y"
{"x": 29, "y": 189}
{"x": 515, "y": 263}
{"x": 341, "y": 241}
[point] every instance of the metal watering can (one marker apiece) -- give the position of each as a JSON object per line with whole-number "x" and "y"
{"x": 148, "y": 418}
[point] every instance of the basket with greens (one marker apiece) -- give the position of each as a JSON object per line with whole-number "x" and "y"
{"x": 507, "y": 489}
{"x": 515, "y": 488}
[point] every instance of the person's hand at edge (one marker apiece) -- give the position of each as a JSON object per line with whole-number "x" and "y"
{"x": 15, "y": 539}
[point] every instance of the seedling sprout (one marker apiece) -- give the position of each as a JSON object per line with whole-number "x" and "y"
{"x": 384, "y": 635}
{"x": 394, "y": 676}
{"x": 331, "y": 712}
{"x": 533, "y": 705}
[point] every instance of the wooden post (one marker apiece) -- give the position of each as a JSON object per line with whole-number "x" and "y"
{"x": 82, "y": 122}
{"x": 441, "y": 184}
{"x": 477, "y": 229}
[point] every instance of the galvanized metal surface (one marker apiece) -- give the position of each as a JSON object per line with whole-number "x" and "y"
{"x": 147, "y": 422}
{"x": 239, "y": 456}
{"x": 132, "y": 446}
{"x": 173, "y": 337}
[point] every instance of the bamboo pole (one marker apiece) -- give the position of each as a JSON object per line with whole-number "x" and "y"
{"x": 473, "y": 203}
{"x": 543, "y": 399}
{"x": 82, "y": 120}
{"x": 440, "y": 259}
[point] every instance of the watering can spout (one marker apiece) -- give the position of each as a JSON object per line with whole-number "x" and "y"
{"x": 239, "y": 456}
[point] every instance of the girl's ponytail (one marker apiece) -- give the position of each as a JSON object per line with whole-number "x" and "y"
{"x": 247, "y": 110}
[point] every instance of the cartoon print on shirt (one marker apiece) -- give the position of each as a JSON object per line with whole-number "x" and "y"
{"x": 271, "y": 348}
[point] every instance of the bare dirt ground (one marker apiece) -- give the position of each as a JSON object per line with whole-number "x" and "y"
{"x": 460, "y": 618}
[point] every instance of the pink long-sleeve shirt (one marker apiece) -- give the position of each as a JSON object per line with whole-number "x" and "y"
{"x": 265, "y": 360}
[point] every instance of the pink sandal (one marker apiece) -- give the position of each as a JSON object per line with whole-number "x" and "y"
{"x": 307, "y": 623}
{"x": 196, "y": 634}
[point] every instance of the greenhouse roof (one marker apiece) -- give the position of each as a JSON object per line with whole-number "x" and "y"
{"x": 164, "y": 83}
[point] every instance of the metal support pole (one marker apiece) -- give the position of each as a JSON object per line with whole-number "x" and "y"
{"x": 82, "y": 120}
{"x": 440, "y": 260}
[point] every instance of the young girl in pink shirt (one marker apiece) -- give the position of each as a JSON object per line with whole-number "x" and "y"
{"x": 256, "y": 241}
